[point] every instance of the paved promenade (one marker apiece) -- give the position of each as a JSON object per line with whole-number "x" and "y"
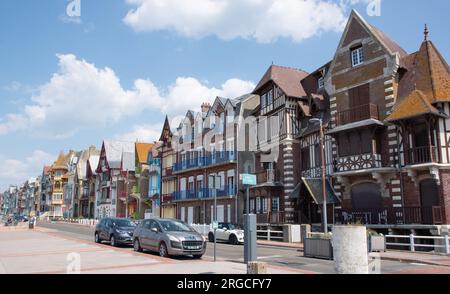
{"x": 43, "y": 251}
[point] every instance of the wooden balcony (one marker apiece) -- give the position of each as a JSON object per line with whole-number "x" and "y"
{"x": 421, "y": 155}
{"x": 267, "y": 176}
{"x": 360, "y": 113}
{"x": 357, "y": 162}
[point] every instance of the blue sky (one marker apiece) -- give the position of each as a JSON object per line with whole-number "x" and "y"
{"x": 67, "y": 83}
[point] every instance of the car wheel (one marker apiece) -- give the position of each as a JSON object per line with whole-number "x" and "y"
{"x": 163, "y": 250}
{"x": 112, "y": 241}
{"x": 97, "y": 238}
{"x": 211, "y": 237}
{"x": 233, "y": 240}
{"x": 137, "y": 246}
{"x": 198, "y": 256}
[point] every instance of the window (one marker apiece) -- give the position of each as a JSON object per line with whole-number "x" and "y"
{"x": 305, "y": 164}
{"x": 357, "y": 56}
{"x": 275, "y": 204}
{"x": 321, "y": 82}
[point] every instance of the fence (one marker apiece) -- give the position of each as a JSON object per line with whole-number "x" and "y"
{"x": 413, "y": 245}
{"x": 83, "y": 222}
{"x": 269, "y": 233}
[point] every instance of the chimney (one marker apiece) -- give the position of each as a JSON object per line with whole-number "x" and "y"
{"x": 205, "y": 107}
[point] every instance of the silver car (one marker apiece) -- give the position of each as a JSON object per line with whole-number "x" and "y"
{"x": 168, "y": 238}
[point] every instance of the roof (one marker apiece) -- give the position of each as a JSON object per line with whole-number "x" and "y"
{"x": 128, "y": 161}
{"x": 166, "y": 132}
{"x": 93, "y": 162}
{"x": 142, "y": 150}
{"x": 388, "y": 42}
{"x": 288, "y": 79}
{"x": 414, "y": 105}
{"x": 114, "y": 150}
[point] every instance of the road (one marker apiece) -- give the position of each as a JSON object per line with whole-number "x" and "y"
{"x": 276, "y": 256}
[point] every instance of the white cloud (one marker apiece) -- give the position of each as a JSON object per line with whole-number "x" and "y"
{"x": 17, "y": 171}
{"x": 261, "y": 20}
{"x": 81, "y": 96}
{"x": 142, "y": 133}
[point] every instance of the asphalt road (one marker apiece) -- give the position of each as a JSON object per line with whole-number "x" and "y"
{"x": 278, "y": 256}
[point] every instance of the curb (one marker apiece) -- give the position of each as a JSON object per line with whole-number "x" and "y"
{"x": 408, "y": 260}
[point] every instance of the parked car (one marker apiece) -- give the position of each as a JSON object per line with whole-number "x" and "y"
{"x": 169, "y": 238}
{"x": 230, "y": 233}
{"x": 20, "y": 218}
{"x": 118, "y": 231}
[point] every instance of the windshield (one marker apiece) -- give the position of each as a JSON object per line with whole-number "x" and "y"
{"x": 124, "y": 223}
{"x": 174, "y": 226}
{"x": 234, "y": 227}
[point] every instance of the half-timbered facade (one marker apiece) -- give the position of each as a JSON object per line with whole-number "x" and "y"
{"x": 280, "y": 91}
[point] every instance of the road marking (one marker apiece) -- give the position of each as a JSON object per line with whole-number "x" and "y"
{"x": 270, "y": 257}
{"x": 420, "y": 264}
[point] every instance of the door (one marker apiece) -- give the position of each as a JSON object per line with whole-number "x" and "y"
{"x": 429, "y": 198}
{"x": 190, "y": 218}
{"x": 183, "y": 214}
{"x": 367, "y": 203}
{"x": 144, "y": 234}
{"x": 220, "y": 213}
{"x": 155, "y": 235}
{"x": 105, "y": 229}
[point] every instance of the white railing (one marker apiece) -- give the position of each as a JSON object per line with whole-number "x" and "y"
{"x": 201, "y": 229}
{"x": 269, "y": 234}
{"x": 412, "y": 244}
{"x": 83, "y": 222}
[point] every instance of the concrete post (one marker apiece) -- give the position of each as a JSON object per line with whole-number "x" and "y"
{"x": 447, "y": 245}
{"x": 411, "y": 243}
{"x": 350, "y": 250}
{"x": 256, "y": 268}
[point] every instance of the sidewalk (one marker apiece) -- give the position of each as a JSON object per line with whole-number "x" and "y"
{"x": 400, "y": 256}
{"x": 415, "y": 257}
{"x": 44, "y": 251}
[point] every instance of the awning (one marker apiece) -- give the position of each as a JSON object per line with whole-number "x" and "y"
{"x": 314, "y": 187}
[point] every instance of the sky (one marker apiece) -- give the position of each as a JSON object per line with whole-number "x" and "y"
{"x": 70, "y": 78}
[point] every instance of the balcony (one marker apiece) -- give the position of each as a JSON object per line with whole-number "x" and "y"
{"x": 360, "y": 113}
{"x": 392, "y": 216}
{"x": 154, "y": 191}
{"x": 167, "y": 197}
{"x": 204, "y": 193}
{"x": 357, "y": 162}
{"x": 167, "y": 172}
{"x": 200, "y": 162}
{"x": 267, "y": 176}
{"x": 421, "y": 155}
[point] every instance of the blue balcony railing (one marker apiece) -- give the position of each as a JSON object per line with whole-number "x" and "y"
{"x": 204, "y": 193}
{"x": 199, "y": 162}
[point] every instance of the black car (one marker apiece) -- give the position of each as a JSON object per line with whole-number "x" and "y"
{"x": 118, "y": 231}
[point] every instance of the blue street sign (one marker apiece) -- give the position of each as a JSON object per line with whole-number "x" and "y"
{"x": 248, "y": 179}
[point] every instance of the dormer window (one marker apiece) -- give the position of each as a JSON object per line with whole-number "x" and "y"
{"x": 357, "y": 56}
{"x": 321, "y": 82}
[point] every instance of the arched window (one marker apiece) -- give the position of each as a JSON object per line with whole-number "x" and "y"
{"x": 366, "y": 196}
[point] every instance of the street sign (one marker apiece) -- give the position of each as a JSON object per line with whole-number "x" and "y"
{"x": 215, "y": 225}
{"x": 248, "y": 179}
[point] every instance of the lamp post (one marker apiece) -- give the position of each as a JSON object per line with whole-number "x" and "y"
{"x": 324, "y": 185}
{"x": 215, "y": 179}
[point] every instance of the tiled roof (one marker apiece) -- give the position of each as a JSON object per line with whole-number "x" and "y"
{"x": 128, "y": 161}
{"x": 142, "y": 150}
{"x": 425, "y": 71}
{"x": 288, "y": 79}
{"x": 414, "y": 105}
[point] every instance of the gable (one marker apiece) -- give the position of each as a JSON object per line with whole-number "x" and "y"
{"x": 355, "y": 32}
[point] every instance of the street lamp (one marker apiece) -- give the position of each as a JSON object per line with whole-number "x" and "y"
{"x": 216, "y": 182}
{"x": 324, "y": 192}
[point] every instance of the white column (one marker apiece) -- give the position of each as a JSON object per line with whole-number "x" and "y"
{"x": 350, "y": 250}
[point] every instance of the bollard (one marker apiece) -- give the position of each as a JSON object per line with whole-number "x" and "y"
{"x": 350, "y": 250}
{"x": 411, "y": 243}
{"x": 447, "y": 245}
{"x": 256, "y": 268}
